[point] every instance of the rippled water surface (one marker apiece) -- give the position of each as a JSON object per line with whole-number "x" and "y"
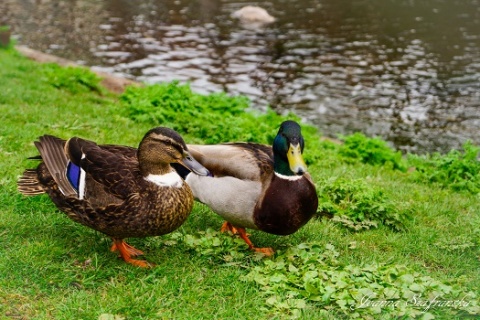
{"x": 405, "y": 70}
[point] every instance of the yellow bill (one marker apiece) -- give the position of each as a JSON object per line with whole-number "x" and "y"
{"x": 295, "y": 159}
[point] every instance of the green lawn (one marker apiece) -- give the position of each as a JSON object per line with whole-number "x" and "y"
{"x": 403, "y": 242}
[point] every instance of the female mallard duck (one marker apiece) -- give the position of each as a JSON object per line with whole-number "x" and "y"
{"x": 256, "y": 186}
{"x": 116, "y": 190}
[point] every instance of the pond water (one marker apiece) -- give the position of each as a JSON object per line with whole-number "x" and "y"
{"x": 405, "y": 70}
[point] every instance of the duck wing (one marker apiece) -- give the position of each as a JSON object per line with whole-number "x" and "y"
{"x": 108, "y": 166}
{"x": 246, "y": 161}
{"x": 52, "y": 152}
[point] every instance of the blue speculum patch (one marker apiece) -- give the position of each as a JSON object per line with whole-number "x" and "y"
{"x": 73, "y": 175}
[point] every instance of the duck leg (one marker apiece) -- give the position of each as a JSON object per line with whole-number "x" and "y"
{"x": 127, "y": 252}
{"x": 227, "y": 226}
{"x": 134, "y": 252}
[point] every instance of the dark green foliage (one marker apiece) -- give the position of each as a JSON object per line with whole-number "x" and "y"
{"x": 373, "y": 151}
{"x": 457, "y": 170}
{"x": 73, "y": 79}
{"x": 210, "y": 119}
{"x": 358, "y": 206}
{"x": 310, "y": 274}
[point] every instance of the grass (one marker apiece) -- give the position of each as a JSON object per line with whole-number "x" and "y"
{"x": 399, "y": 236}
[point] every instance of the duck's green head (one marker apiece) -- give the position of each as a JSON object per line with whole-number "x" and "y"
{"x": 287, "y": 150}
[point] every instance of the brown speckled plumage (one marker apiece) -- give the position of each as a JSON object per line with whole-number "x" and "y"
{"x": 119, "y": 200}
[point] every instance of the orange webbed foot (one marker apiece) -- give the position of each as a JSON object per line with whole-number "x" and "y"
{"x": 127, "y": 252}
{"x": 140, "y": 263}
{"x": 266, "y": 251}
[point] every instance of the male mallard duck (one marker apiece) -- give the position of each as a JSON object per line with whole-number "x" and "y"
{"x": 256, "y": 186}
{"x": 116, "y": 190}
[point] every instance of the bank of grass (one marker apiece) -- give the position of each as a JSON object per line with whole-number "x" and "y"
{"x": 401, "y": 243}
